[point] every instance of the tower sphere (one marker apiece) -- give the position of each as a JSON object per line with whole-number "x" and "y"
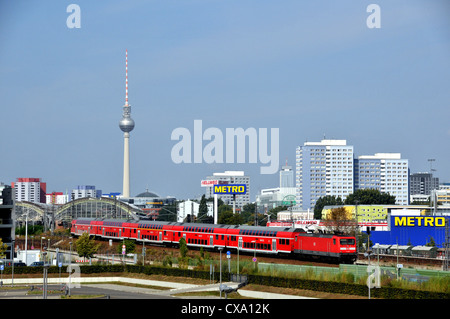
{"x": 126, "y": 124}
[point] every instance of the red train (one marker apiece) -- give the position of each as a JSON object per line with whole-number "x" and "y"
{"x": 267, "y": 240}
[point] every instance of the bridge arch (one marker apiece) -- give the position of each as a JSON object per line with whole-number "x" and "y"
{"x": 103, "y": 207}
{"x": 91, "y": 207}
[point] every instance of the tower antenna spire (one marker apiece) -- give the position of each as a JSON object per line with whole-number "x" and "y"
{"x": 126, "y": 77}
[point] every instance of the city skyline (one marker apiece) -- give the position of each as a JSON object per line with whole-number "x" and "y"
{"x": 310, "y": 70}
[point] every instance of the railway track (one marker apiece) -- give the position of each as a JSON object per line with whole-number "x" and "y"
{"x": 159, "y": 251}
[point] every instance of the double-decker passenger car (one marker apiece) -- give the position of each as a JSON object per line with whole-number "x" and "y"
{"x": 274, "y": 240}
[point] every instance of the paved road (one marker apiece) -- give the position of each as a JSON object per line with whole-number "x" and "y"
{"x": 107, "y": 291}
{"x": 104, "y": 286}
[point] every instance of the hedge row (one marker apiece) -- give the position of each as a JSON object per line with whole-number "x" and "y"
{"x": 345, "y": 288}
{"x": 282, "y": 282}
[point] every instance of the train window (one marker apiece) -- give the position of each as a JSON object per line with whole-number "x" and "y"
{"x": 217, "y": 236}
{"x": 347, "y": 241}
{"x": 334, "y": 241}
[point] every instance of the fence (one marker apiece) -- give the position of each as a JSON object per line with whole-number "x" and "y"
{"x": 358, "y": 271}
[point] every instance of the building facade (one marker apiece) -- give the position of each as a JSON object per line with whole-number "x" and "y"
{"x": 323, "y": 168}
{"x": 7, "y": 219}
{"x": 280, "y": 196}
{"x": 230, "y": 177}
{"x": 191, "y": 208}
{"x": 422, "y": 183}
{"x": 386, "y": 172}
{"x": 30, "y": 190}
{"x": 85, "y": 191}
{"x": 286, "y": 176}
{"x": 56, "y": 198}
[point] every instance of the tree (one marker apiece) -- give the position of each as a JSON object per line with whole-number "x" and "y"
{"x": 86, "y": 247}
{"x": 328, "y": 200}
{"x": 369, "y": 197}
{"x": 183, "y": 261}
{"x": 3, "y": 248}
{"x": 227, "y": 217}
{"x": 202, "y": 216}
{"x": 431, "y": 243}
{"x": 183, "y": 248}
{"x": 339, "y": 222}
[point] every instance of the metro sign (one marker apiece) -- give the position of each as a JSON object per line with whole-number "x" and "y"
{"x": 230, "y": 189}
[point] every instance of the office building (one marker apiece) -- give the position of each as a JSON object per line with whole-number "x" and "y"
{"x": 280, "y": 196}
{"x": 422, "y": 183}
{"x": 323, "y": 168}
{"x": 230, "y": 177}
{"x": 286, "y": 176}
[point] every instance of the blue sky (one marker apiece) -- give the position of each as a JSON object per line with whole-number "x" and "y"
{"x": 309, "y": 68}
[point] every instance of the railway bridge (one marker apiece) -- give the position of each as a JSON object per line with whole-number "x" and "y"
{"x": 51, "y": 215}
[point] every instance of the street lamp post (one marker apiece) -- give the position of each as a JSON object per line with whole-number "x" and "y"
{"x": 239, "y": 246}
{"x": 220, "y": 285}
{"x": 41, "y": 243}
{"x": 12, "y": 257}
{"x": 70, "y": 256}
{"x": 26, "y": 239}
{"x": 44, "y": 289}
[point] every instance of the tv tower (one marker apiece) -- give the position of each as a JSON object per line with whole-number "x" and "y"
{"x": 126, "y": 124}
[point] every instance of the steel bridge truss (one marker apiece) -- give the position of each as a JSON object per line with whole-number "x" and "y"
{"x": 90, "y": 207}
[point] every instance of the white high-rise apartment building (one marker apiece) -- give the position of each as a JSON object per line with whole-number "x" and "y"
{"x": 323, "y": 168}
{"x": 231, "y": 177}
{"x": 387, "y": 172}
{"x": 30, "y": 190}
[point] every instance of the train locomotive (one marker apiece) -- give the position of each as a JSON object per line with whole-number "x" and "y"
{"x": 293, "y": 242}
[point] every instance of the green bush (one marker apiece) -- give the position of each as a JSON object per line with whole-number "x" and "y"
{"x": 344, "y": 287}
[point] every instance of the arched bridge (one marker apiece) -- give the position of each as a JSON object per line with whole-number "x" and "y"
{"x": 103, "y": 207}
